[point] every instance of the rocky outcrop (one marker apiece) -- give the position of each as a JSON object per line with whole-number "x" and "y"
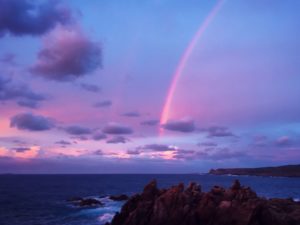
{"x": 121, "y": 197}
{"x": 90, "y": 202}
{"x": 85, "y": 202}
{"x": 279, "y": 171}
{"x": 178, "y": 205}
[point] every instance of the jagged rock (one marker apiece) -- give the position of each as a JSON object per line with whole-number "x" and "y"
{"x": 118, "y": 197}
{"x": 236, "y": 185}
{"x": 193, "y": 188}
{"x": 237, "y": 205}
{"x": 217, "y": 190}
{"x": 88, "y": 202}
{"x": 150, "y": 190}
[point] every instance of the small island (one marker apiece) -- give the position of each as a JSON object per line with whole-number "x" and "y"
{"x": 279, "y": 171}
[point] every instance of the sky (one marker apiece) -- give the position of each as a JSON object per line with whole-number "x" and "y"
{"x": 153, "y": 86}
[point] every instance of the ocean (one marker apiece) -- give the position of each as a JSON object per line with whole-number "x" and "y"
{"x": 41, "y": 199}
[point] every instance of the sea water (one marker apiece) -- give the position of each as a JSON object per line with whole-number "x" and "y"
{"x": 41, "y": 199}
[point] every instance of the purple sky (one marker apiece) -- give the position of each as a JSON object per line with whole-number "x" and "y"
{"x": 83, "y": 85}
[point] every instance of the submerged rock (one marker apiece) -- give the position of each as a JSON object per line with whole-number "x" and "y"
{"x": 85, "y": 202}
{"x": 237, "y": 205}
{"x": 74, "y": 199}
{"x": 119, "y": 197}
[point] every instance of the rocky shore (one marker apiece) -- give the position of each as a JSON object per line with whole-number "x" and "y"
{"x": 178, "y": 205}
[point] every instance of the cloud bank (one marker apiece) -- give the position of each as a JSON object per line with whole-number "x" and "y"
{"x": 27, "y": 17}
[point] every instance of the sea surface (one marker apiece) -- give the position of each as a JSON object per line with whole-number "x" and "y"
{"x": 41, "y": 199}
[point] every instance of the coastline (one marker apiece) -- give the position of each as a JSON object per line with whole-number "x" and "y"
{"x": 279, "y": 171}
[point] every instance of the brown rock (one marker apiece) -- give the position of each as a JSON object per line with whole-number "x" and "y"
{"x": 224, "y": 204}
{"x": 236, "y": 185}
{"x": 217, "y": 190}
{"x": 235, "y": 206}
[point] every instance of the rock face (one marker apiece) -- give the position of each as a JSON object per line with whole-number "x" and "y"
{"x": 178, "y": 205}
{"x": 280, "y": 171}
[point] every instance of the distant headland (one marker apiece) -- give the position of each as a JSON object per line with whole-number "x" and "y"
{"x": 279, "y": 171}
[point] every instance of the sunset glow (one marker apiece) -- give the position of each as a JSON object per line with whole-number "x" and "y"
{"x": 148, "y": 86}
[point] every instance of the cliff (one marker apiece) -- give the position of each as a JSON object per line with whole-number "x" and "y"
{"x": 280, "y": 171}
{"x": 178, "y": 205}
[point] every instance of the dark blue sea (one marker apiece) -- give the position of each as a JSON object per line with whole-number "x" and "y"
{"x": 41, "y": 199}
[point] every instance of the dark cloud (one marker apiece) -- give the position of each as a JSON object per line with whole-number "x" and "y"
{"x": 77, "y": 130}
{"x": 10, "y": 90}
{"x": 99, "y": 136}
{"x": 29, "y": 121}
{"x": 283, "y": 141}
{"x": 208, "y": 144}
{"x": 105, "y": 103}
{"x": 158, "y": 147}
{"x": 134, "y": 152}
{"x": 132, "y": 114}
{"x": 20, "y": 149}
{"x": 219, "y": 131}
{"x": 117, "y": 140}
{"x": 115, "y": 128}
{"x": 150, "y": 122}
{"x": 190, "y": 154}
{"x": 98, "y": 152}
{"x": 213, "y": 154}
{"x": 67, "y": 54}
{"x": 184, "y": 125}
{"x": 63, "y": 142}
{"x": 27, "y": 17}
{"x": 90, "y": 87}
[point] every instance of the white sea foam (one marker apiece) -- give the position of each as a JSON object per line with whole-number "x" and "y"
{"x": 297, "y": 199}
{"x": 106, "y": 217}
{"x": 103, "y": 213}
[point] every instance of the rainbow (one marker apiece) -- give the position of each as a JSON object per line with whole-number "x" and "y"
{"x": 184, "y": 59}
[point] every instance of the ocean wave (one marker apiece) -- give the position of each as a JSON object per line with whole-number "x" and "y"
{"x": 104, "y": 213}
{"x": 106, "y": 217}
